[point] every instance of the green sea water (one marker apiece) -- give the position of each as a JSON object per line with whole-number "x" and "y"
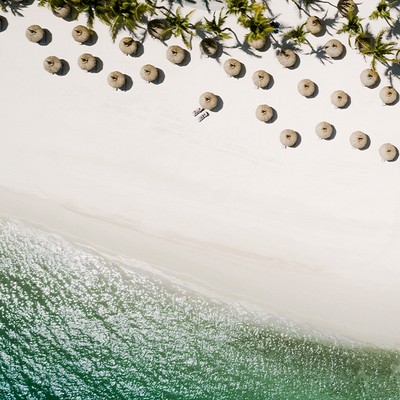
{"x": 76, "y": 325}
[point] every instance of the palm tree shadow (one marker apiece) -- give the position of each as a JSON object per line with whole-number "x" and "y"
{"x": 3, "y": 23}
{"x": 394, "y": 31}
{"x": 331, "y": 24}
{"x": 128, "y": 83}
{"x": 321, "y": 55}
{"x": 15, "y": 7}
{"x": 392, "y": 71}
{"x": 65, "y": 68}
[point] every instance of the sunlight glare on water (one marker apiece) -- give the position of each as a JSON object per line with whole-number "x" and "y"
{"x": 75, "y": 325}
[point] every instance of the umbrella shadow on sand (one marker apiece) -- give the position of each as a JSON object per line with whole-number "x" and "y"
{"x": 128, "y": 83}
{"x": 65, "y": 68}
{"x": 47, "y": 38}
{"x": 3, "y": 23}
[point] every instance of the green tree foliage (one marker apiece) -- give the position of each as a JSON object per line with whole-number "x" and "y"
{"x": 216, "y": 27}
{"x": 180, "y": 25}
{"x": 380, "y": 51}
{"x": 297, "y": 36}
{"x": 383, "y": 11}
{"x": 352, "y": 26}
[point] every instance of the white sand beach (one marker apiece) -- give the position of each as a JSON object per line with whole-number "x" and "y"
{"x": 310, "y": 233}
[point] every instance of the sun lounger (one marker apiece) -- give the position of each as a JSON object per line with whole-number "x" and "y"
{"x": 197, "y": 111}
{"x": 202, "y": 116}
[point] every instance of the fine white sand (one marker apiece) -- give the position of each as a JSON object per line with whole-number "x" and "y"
{"x": 311, "y": 233}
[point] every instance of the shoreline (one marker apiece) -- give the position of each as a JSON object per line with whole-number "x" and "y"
{"x": 311, "y": 233}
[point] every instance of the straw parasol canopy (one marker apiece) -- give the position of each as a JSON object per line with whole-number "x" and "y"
{"x": 81, "y": 34}
{"x": 398, "y": 56}
{"x": 257, "y": 44}
{"x": 175, "y": 54}
{"x": 314, "y": 25}
{"x": 87, "y": 62}
{"x": 61, "y": 12}
{"x": 208, "y": 100}
{"x": 287, "y": 57}
{"x": 209, "y": 47}
{"x": 288, "y": 137}
{"x": 261, "y": 78}
{"x": 157, "y": 28}
{"x": 388, "y": 94}
{"x": 232, "y": 67}
{"x": 34, "y": 33}
{"x": 128, "y": 45}
{"x": 345, "y": 5}
{"x": 116, "y": 79}
{"x": 52, "y": 64}
{"x": 149, "y": 73}
{"x": 334, "y": 48}
{"x": 359, "y": 140}
{"x": 324, "y": 130}
{"x": 369, "y": 77}
{"x": 264, "y": 113}
{"x": 339, "y": 98}
{"x": 388, "y": 152}
{"x": 306, "y": 87}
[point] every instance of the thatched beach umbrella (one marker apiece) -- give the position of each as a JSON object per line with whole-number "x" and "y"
{"x": 398, "y": 56}
{"x": 175, "y": 54}
{"x": 334, "y": 48}
{"x": 257, "y": 44}
{"x": 209, "y": 47}
{"x": 339, "y": 98}
{"x": 261, "y": 78}
{"x": 388, "y": 152}
{"x": 324, "y": 130}
{"x": 359, "y": 140}
{"x": 116, "y": 79}
{"x": 287, "y": 57}
{"x": 232, "y": 67}
{"x": 388, "y": 94}
{"x": 306, "y": 87}
{"x": 61, "y": 12}
{"x": 288, "y": 137}
{"x": 264, "y": 113}
{"x": 369, "y": 77}
{"x": 34, "y": 33}
{"x": 208, "y": 100}
{"x": 157, "y": 28}
{"x": 314, "y": 25}
{"x": 344, "y": 6}
{"x": 52, "y": 64}
{"x": 149, "y": 73}
{"x": 87, "y": 62}
{"x": 81, "y": 34}
{"x": 128, "y": 45}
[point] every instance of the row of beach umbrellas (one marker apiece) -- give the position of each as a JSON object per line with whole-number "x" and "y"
{"x": 233, "y": 68}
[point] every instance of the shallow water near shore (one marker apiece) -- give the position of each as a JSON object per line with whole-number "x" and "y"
{"x": 75, "y": 325}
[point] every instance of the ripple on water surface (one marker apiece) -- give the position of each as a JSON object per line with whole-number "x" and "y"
{"x": 75, "y": 325}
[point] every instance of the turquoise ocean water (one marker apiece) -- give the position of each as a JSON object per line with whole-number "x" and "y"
{"x": 75, "y": 325}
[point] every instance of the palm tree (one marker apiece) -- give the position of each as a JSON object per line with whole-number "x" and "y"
{"x": 237, "y": 7}
{"x": 297, "y": 35}
{"x": 124, "y": 14}
{"x": 180, "y": 25}
{"x": 257, "y": 23}
{"x": 383, "y": 11}
{"x": 92, "y": 8}
{"x": 216, "y": 26}
{"x": 380, "y": 51}
{"x": 353, "y": 25}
